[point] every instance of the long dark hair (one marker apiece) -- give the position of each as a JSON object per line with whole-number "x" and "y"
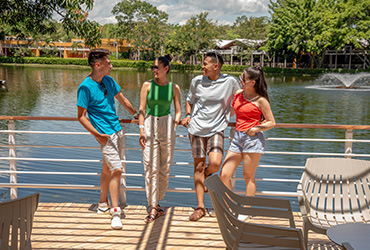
{"x": 165, "y": 61}
{"x": 257, "y": 74}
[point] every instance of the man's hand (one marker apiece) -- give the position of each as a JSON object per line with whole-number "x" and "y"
{"x": 103, "y": 138}
{"x": 184, "y": 122}
{"x": 136, "y": 117}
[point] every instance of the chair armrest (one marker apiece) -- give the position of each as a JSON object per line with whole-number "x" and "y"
{"x": 347, "y": 246}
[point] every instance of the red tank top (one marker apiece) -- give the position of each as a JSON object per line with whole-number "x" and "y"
{"x": 248, "y": 115}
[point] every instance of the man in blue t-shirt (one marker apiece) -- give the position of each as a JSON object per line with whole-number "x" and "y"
{"x": 95, "y": 97}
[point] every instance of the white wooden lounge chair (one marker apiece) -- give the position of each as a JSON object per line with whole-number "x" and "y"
{"x": 238, "y": 234}
{"x": 333, "y": 191}
{"x": 16, "y": 217}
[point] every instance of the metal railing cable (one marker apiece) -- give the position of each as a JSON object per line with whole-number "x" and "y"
{"x": 13, "y": 158}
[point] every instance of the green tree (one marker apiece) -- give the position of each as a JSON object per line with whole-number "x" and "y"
{"x": 25, "y": 18}
{"x": 311, "y": 27}
{"x": 251, "y": 28}
{"x": 340, "y": 23}
{"x": 290, "y": 27}
{"x": 198, "y": 34}
{"x": 142, "y": 24}
{"x": 227, "y": 32}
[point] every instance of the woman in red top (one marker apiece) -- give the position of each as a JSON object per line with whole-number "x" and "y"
{"x": 253, "y": 115}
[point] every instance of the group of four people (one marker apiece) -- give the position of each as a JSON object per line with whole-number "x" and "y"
{"x": 211, "y": 99}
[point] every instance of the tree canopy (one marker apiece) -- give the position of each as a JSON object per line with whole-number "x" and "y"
{"x": 196, "y": 35}
{"x": 25, "y": 18}
{"x": 142, "y": 24}
{"x": 311, "y": 27}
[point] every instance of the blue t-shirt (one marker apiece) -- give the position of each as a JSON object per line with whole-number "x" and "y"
{"x": 101, "y": 108}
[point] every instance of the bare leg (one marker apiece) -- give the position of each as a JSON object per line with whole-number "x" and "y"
{"x": 214, "y": 162}
{"x": 104, "y": 183}
{"x": 114, "y": 185}
{"x": 199, "y": 165}
{"x": 250, "y": 164}
{"x": 231, "y": 162}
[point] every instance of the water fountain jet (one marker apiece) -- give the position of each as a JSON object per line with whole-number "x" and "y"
{"x": 330, "y": 81}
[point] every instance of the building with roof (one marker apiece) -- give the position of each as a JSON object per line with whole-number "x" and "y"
{"x": 74, "y": 49}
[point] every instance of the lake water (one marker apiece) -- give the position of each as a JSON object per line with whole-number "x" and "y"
{"x": 51, "y": 91}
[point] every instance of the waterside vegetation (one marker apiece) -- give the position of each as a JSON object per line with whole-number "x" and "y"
{"x": 295, "y": 31}
{"x": 145, "y": 65}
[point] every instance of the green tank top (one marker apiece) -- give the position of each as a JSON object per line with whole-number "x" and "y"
{"x": 159, "y": 99}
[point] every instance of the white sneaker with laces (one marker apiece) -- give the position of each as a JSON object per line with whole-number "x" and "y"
{"x": 116, "y": 218}
{"x": 103, "y": 207}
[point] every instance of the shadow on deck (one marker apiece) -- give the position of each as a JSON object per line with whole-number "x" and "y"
{"x": 74, "y": 226}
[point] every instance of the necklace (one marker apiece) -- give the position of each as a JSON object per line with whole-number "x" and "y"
{"x": 250, "y": 99}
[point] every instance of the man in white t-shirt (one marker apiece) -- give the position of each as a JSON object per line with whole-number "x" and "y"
{"x": 207, "y": 116}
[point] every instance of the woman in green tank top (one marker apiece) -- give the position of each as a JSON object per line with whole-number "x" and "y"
{"x": 158, "y": 132}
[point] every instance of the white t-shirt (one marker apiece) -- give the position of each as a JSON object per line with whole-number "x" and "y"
{"x": 211, "y": 104}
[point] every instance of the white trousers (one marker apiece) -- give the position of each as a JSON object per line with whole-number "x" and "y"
{"x": 160, "y": 138}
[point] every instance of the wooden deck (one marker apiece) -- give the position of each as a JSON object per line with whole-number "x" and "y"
{"x": 77, "y": 226}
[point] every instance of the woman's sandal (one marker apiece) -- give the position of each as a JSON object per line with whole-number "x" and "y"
{"x": 198, "y": 213}
{"x": 150, "y": 218}
{"x": 153, "y": 214}
{"x": 160, "y": 211}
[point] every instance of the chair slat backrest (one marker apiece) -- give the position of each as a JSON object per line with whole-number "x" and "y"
{"x": 255, "y": 206}
{"x": 236, "y": 233}
{"x": 336, "y": 190}
{"x": 16, "y": 218}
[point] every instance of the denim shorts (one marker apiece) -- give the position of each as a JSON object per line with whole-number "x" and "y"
{"x": 243, "y": 143}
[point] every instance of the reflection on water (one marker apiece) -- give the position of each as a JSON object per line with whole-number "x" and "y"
{"x": 37, "y": 91}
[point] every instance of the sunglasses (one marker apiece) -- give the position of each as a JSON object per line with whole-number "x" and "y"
{"x": 213, "y": 53}
{"x": 154, "y": 67}
{"x": 243, "y": 81}
{"x": 102, "y": 86}
{"x": 241, "y": 78}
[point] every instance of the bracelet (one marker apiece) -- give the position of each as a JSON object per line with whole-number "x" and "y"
{"x": 141, "y": 126}
{"x": 188, "y": 115}
{"x": 136, "y": 114}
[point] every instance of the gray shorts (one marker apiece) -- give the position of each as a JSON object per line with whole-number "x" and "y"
{"x": 112, "y": 151}
{"x": 243, "y": 143}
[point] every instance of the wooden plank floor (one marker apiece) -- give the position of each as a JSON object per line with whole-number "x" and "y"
{"x": 77, "y": 226}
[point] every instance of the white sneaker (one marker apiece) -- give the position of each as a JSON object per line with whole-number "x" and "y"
{"x": 116, "y": 218}
{"x": 103, "y": 207}
{"x": 243, "y": 217}
{"x": 211, "y": 212}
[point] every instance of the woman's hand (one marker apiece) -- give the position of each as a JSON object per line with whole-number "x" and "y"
{"x": 142, "y": 140}
{"x": 251, "y": 131}
{"x": 185, "y": 121}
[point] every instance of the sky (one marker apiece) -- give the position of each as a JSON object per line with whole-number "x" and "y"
{"x": 222, "y": 11}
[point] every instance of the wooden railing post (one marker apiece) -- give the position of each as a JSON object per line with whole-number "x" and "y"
{"x": 122, "y": 193}
{"x": 12, "y": 163}
{"x": 348, "y": 144}
{"x": 233, "y": 181}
